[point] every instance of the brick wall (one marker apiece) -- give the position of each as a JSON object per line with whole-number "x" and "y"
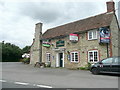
{"x": 82, "y": 46}
{"x": 35, "y": 52}
{"x": 115, "y": 34}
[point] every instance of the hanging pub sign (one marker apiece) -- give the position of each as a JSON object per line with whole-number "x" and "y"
{"x": 104, "y": 33}
{"x": 73, "y": 37}
{"x": 46, "y": 44}
{"x": 60, "y": 43}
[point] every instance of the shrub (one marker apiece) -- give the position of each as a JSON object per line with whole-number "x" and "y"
{"x": 26, "y": 60}
{"x": 48, "y": 64}
{"x": 83, "y": 68}
{"x": 86, "y": 67}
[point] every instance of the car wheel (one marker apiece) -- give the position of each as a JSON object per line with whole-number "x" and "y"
{"x": 95, "y": 71}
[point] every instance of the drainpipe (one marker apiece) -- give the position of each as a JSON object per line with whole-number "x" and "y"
{"x": 107, "y": 50}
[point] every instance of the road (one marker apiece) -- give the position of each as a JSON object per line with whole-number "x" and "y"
{"x": 21, "y": 75}
{"x": 17, "y": 85}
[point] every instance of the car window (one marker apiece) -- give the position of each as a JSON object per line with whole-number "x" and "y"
{"x": 116, "y": 60}
{"x": 107, "y": 61}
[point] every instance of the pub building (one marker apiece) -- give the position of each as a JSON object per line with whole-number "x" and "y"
{"x": 75, "y": 44}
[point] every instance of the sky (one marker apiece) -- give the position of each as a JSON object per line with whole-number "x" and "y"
{"x": 18, "y": 17}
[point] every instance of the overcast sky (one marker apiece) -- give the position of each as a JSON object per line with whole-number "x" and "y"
{"x": 18, "y": 18}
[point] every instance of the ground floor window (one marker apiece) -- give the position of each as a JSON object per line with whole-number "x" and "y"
{"x": 74, "y": 56}
{"x": 93, "y": 56}
{"x": 48, "y": 57}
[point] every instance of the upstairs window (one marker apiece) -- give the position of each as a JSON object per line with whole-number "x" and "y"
{"x": 92, "y": 34}
{"x": 74, "y": 56}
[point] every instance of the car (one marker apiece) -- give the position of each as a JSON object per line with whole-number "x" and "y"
{"x": 108, "y": 65}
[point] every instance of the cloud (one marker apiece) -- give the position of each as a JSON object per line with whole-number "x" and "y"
{"x": 18, "y": 19}
{"x": 49, "y": 13}
{"x": 119, "y": 12}
{"x": 45, "y": 12}
{"x": 14, "y": 27}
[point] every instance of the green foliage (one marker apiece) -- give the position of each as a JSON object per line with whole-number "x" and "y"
{"x": 10, "y": 52}
{"x": 26, "y": 60}
{"x": 86, "y": 67}
{"x": 26, "y": 49}
{"x": 83, "y": 68}
{"x": 48, "y": 64}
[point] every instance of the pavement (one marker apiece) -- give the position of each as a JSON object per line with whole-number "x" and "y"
{"x": 21, "y": 75}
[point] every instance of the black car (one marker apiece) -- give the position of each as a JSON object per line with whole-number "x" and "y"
{"x": 109, "y": 65}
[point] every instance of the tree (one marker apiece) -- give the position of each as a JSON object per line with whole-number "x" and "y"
{"x": 10, "y": 52}
{"x": 26, "y": 49}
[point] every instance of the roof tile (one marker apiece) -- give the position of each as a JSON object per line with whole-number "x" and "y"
{"x": 97, "y": 21}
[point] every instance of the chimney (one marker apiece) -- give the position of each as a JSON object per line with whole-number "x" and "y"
{"x": 38, "y": 28}
{"x": 110, "y": 6}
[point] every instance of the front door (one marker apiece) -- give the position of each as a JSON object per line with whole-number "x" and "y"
{"x": 61, "y": 59}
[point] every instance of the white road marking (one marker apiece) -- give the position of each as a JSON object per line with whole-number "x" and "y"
{"x": 3, "y": 81}
{"x": 21, "y": 83}
{"x": 43, "y": 86}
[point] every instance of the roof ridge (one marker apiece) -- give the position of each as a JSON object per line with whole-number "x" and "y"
{"x": 79, "y": 20}
{"x": 96, "y": 21}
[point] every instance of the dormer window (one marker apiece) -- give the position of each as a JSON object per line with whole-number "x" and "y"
{"x": 92, "y": 34}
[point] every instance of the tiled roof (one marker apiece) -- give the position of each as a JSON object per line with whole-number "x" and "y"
{"x": 97, "y": 21}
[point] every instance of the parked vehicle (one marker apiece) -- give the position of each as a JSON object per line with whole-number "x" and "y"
{"x": 109, "y": 65}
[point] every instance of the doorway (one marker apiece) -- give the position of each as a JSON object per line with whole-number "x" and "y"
{"x": 61, "y": 59}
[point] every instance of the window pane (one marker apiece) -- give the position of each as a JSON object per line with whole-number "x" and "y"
{"x": 72, "y": 56}
{"x": 116, "y": 60}
{"x": 91, "y": 56}
{"x": 48, "y": 57}
{"x": 76, "y": 56}
{"x": 95, "y": 56}
{"x": 90, "y": 35}
{"x": 94, "y": 34}
{"x": 107, "y": 61}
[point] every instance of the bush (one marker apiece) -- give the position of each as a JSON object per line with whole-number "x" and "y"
{"x": 86, "y": 67}
{"x": 83, "y": 68}
{"x": 48, "y": 64}
{"x": 26, "y": 60}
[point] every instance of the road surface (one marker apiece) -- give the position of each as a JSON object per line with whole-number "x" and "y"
{"x": 18, "y": 74}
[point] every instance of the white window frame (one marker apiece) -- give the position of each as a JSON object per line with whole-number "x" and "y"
{"x": 93, "y": 56}
{"x": 71, "y": 58}
{"x": 48, "y": 57}
{"x": 93, "y": 37}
